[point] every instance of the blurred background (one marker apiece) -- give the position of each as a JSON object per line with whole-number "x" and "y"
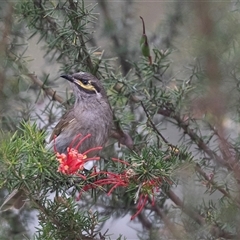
{"x": 191, "y": 92}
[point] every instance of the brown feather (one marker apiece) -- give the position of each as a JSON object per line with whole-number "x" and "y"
{"x": 65, "y": 120}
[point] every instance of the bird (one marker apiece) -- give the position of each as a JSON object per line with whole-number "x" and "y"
{"x": 90, "y": 114}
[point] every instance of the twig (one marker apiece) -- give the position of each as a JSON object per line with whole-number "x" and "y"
{"x": 153, "y": 125}
{"x": 120, "y": 135}
{"x": 115, "y": 38}
{"x": 197, "y": 168}
{"x": 172, "y": 229}
{"x": 144, "y": 220}
{"x": 49, "y": 91}
{"x": 215, "y": 230}
{"x": 75, "y": 23}
{"x": 214, "y": 184}
{"x": 4, "y": 42}
{"x": 229, "y": 163}
{"x": 194, "y": 137}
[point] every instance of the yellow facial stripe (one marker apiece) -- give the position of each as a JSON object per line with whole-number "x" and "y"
{"x": 88, "y": 86}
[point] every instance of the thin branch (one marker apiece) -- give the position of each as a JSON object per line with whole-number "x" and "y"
{"x": 144, "y": 220}
{"x": 215, "y": 97}
{"x": 153, "y": 125}
{"x": 215, "y": 230}
{"x": 75, "y": 23}
{"x": 4, "y": 42}
{"x": 172, "y": 228}
{"x": 214, "y": 184}
{"x": 197, "y": 168}
{"x": 115, "y": 38}
{"x": 49, "y": 91}
{"x": 228, "y": 162}
{"x": 120, "y": 135}
{"x": 194, "y": 137}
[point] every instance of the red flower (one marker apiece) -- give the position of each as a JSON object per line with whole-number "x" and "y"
{"x": 73, "y": 161}
{"x": 146, "y": 189}
{"x": 117, "y": 180}
{"x": 149, "y": 187}
{"x": 141, "y": 204}
{"x": 109, "y": 178}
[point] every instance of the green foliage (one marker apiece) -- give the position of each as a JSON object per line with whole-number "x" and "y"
{"x": 76, "y": 222}
{"x": 31, "y": 167}
{"x": 26, "y": 160}
{"x": 65, "y": 27}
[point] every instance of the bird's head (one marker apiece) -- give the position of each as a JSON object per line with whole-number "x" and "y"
{"x": 85, "y": 85}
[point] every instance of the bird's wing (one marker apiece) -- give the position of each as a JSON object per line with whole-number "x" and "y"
{"x": 65, "y": 120}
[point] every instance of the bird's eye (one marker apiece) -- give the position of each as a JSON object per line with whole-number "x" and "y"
{"x": 84, "y": 81}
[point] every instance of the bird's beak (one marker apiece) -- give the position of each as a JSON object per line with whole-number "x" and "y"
{"x": 68, "y": 77}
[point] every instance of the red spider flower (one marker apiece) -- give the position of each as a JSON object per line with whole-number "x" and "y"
{"x": 149, "y": 187}
{"x": 117, "y": 180}
{"x": 108, "y": 178}
{"x": 142, "y": 201}
{"x": 73, "y": 161}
